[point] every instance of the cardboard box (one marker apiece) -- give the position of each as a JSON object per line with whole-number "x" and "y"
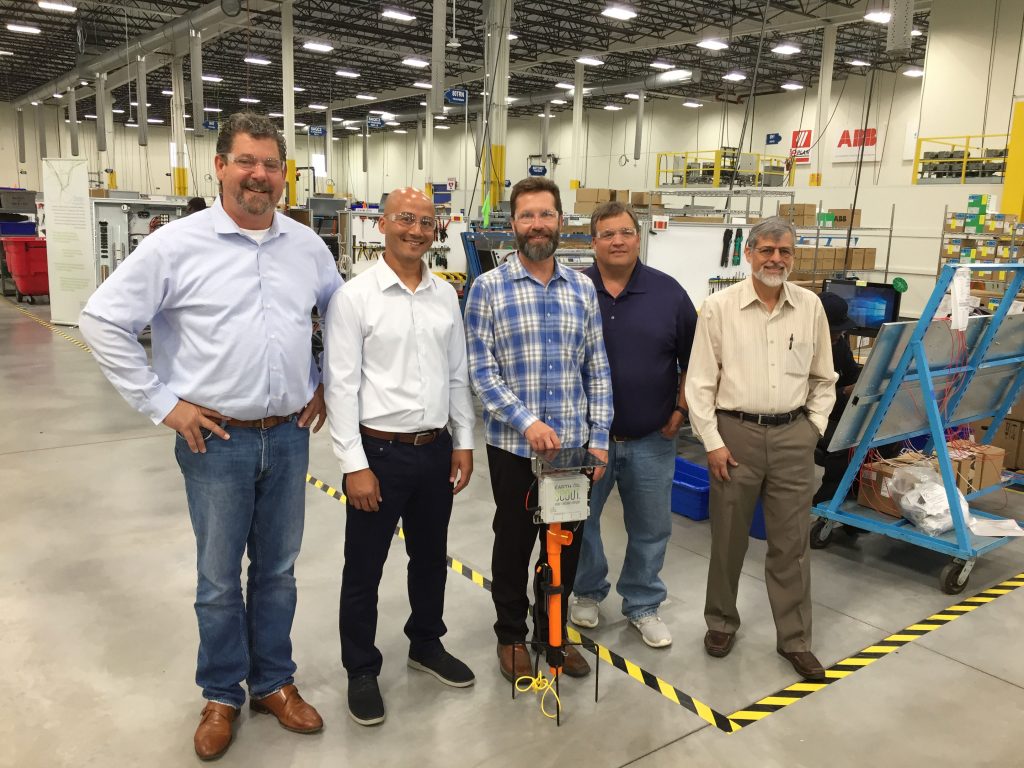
{"x": 604, "y": 195}
{"x": 586, "y": 195}
{"x": 94, "y": 192}
{"x": 955, "y": 222}
{"x": 788, "y": 210}
{"x": 645, "y": 198}
{"x": 844, "y": 216}
{"x": 1008, "y": 438}
{"x": 620, "y": 195}
{"x": 697, "y": 219}
{"x": 875, "y": 483}
{"x": 974, "y": 223}
{"x": 976, "y": 466}
{"x": 585, "y": 207}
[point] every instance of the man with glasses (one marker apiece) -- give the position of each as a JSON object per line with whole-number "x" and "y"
{"x": 396, "y": 378}
{"x": 648, "y": 325}
{"x": 228, "y": 293}
{"x": 538, "y": 364}
{"x": 760, "y": 388}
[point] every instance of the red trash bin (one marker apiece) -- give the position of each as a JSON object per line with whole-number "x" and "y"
{"x": 26, "y": 261}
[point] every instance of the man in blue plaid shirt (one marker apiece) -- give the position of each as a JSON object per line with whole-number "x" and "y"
{"x": 537, "y": 361}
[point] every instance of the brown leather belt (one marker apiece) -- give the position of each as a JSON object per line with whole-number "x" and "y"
{"x": 265, "y": 423}
{"x": 410, "y": 438}
{"x": 767, "y": 419}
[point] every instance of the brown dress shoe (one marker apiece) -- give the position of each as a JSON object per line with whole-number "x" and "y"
{"x": 523, "y": 662}
{"x": 718, "y": 644}
{"x": 575, "y": 665}
{"x": 805, "y": 663}
{"x": 290, "y": 710}
{"x": 213, "y": 736}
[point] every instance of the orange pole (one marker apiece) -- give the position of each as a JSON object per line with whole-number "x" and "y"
{"x": 557, "y": 538}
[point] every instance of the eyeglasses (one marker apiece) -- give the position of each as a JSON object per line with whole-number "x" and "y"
{"x": 767, "y": 251}
{"x": 546, "y": 216}
{"x": 407, "y": 219}
{"x": 248, "y": 163}
{"x": 609, "y": 234}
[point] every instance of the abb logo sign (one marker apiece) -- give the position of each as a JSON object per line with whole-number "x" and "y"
{"x": 858, "y": 138}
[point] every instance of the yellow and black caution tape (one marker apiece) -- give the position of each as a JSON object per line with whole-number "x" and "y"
{"x": 798, "y": 691}
{"x": 50, "y": 326}
{"x": 670, "y": 692}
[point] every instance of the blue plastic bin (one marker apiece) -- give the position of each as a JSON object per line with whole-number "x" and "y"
{"x": 690, "y": 489}
{"x": 26, "y": 228}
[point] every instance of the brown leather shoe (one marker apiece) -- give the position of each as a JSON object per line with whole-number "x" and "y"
{"x": 805, "y": 663}
{"x": 575, "y": 665}
{"x": 718, "y": 644}
{"x": 213, "y": 736}
{"x": 290, "y": 710}
{"x": 523, "y": 662}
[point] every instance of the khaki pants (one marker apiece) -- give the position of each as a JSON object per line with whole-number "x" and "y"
{"x": 777, "y": 464}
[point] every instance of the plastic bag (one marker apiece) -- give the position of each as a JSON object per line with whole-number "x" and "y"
{"x": 922, "y": 498}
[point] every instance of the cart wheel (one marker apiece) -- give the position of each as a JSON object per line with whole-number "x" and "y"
{"x": 19, "y": 296}
{"x": 30, "y": 299}
{"x": 950, "y": 576}
{"x": 822, "y": 532}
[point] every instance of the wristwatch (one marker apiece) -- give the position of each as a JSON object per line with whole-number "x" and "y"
{"x": 682, "y": 410}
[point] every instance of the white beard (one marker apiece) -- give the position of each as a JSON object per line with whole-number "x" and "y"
{"x": 772, "y": 280}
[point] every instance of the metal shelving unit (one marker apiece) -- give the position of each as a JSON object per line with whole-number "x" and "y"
{"x": 995, "y": 280}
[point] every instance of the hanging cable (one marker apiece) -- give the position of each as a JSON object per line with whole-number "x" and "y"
{"x": 750, "y": 100}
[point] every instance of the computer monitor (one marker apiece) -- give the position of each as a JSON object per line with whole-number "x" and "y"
{"x": 869, "y": 304}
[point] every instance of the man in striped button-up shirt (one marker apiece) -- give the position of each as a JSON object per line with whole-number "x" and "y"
{"x": 537, "y": 360}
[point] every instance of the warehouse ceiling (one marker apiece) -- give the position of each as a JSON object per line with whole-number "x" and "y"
{"x": 550, "y": 35}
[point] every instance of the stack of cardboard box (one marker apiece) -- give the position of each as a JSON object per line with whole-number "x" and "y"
{"x": 801, "y": 214}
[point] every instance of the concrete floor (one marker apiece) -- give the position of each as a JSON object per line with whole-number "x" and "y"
{"x": 99, "y": 636}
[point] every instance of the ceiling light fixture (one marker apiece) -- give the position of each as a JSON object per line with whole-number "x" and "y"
{"x": 211, "y": 109}
{"x": 613, "y": 107}
{"x": 513, "y": 36}
{"x": 212, "y": 79}
{"x": 257, "y": 60}
{"x": 275, "y": 114}
{"x": 734, "y": 77}
{"x": 300, "y": 125}
{"x": 115, "y": 111}
{"x": 248, "y": 100}
{"x": 662, "y": 65}
{"x": 566, "y": 86}
{"x": 412, "y": 61}
{"x": 397, "y": 15}
{"x": 792, "y": 87}
{"x": 90, "y": 117}
{"x": 365, "y": 97}
{"x": 312, "y": 45}
{"x": 879, "y": 17}
{"x": 559, "y": 101}
{"x": 154, "y": 120}
{"x": 859, "y": 63}
{"x": 442, "y": 127}
{"x": 320, "y": 107}
{"x": 713, "y": 44}
{"x": 167, "y": 93}
{"x": 692, "y": 104}
{"x": 633, "y": 96}
{"x": 391, "y": 122}
{"x": 399, "y": 131}
{"x": 135, "y": 104}
{"x": 351, "y": 127}
{"x": 61, "y": 96}
{"x": 51, "y": 6}
{"x": 23, "y": 28}
{"x": 420, "y": 84}
{"x": 298, "y": 89}
{"x": 440, "y": 117}
{"x": 916, "y": 33}
{"x": 786, "y": 49}
{"x": 347, "y": 73}
{"x": 589, "y": 61}
{"x": 913, "y": 72}
{"x": 674, "y": 75}
{"x": 11, "y": 53}
{"x": 619, "y": 13}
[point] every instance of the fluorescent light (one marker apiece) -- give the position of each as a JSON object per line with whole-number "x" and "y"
{"x": 61, "y": 96}
{"x": 613, "y": 107}
{"x": 589, "y": 61}
{"x": 440, "y": 117}
{"x": 334, "y": 138}
{"x": 786, "y": 49}
{"x": 397, "y": 15}
{"x": 633, "y": 96}
{"x": 248, "y": 100}
{"x": 399, "y": 131}
{"x": 90, "y": 117}
{"x": 36, "y": 104}
{"x": 167, "y": 93}
{"x": 211, "y": 109}
{"x": 916, "y": 33}
{"x": 212, "y": 79}
{"x": 300, "y": 125}
{"x": 423, "y": 103}
{"x": 713, "y": 44}
{"x": 351, "y": 127}
{"x": 419, "y": 84}
{"x": 441, "y": 127}
{"x": 11, "y": 53}
{"x": 23, "y": 28}
{"x": 391, "y": 122}
{"x": 566, "y": 86}
{"x": 346, "y": 73}
{"x": 258, "y": 60}
{"x": 366, "y": 97}
{"x": 320, "y": 107}
{"x": 275, "y": 114}
{"x": 675, "y": 74}
{"x": 154, "y": 120}
{"x": 135, "y": 103}
{"x": 51, "y": 6}
{"x": 734, "y": 77}
{"x": 187, "y": 115}
{"x": 376, "y": 112}
{"x": 792, "y": 86}
{"x": 541, "y": 114}
{"x": 312, "y": 45}
{"x": 513, "y": 36}
{"x": 662, "y": 65}
{"x": 692, "y": 104}
{"x": 879, "y": 17}
{"x": 337, "y": 120}
{"x": 859, "y": 63}
{"x": 5, "y": 53}
{"x": 412, "y": 61}
{"x": 621, "y": 13}
{"x": 914, "y": 72}
{"x": 298, "y": 89}
{"x": 115, "y": 111}
{"x": 189, "y": 128}
{"x": 511, "y": 99}
{"x": 559, "y": 101}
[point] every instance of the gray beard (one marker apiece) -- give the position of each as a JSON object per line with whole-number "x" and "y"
{"x": 772, "y": 281}
{"x": 540, "y": 252}
{"x": 256, "y": 207}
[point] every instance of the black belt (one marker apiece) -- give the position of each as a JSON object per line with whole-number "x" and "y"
{"x": 621, "y": 438}
{"x": 767, "y": 419}
{"x": 410, "y": 438}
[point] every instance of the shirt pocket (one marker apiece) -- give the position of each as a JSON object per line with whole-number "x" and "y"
{"x": 798, "y": 358}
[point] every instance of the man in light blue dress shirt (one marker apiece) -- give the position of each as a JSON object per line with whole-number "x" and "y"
{"x": 228, "y": 294}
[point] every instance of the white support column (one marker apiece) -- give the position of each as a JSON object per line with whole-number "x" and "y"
{"x": 499, "y": 23}
{"x": 288, "y": 93}
{"x": 578, "y": 160}
{"x": 179, "y": 171}
{"x": 828, "y": 54}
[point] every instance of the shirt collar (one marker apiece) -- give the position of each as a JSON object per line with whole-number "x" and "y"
{"x": 518, "y": 271}
{"x": 387, "y": 277}
{"x": 225, "y": 225}
{"x": 748, "y": 295}
{"x": 637, "y": 282}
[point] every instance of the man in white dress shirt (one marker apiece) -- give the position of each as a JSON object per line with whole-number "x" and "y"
{"x": 395, "y": 378}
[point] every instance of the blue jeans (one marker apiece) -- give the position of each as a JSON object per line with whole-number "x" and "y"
{"x": 643, "y": 469}
{"x": 246, "y": 495}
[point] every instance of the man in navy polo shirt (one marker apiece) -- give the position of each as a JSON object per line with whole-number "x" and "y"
{"x": 649, "y": 323}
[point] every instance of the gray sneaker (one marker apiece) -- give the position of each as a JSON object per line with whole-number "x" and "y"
{"x": 653, "y": 630}
{"x": 583, "y": 612}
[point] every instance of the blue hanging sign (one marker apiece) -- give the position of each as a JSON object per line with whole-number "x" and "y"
{"x": 375, "y": 121}
{"x": 773, "y": 138}
{"x": 210, "y": 125}
{"x": 456, "y": 95}
{"x": 317, "y": 130}
{"x": 538, "y": 170}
